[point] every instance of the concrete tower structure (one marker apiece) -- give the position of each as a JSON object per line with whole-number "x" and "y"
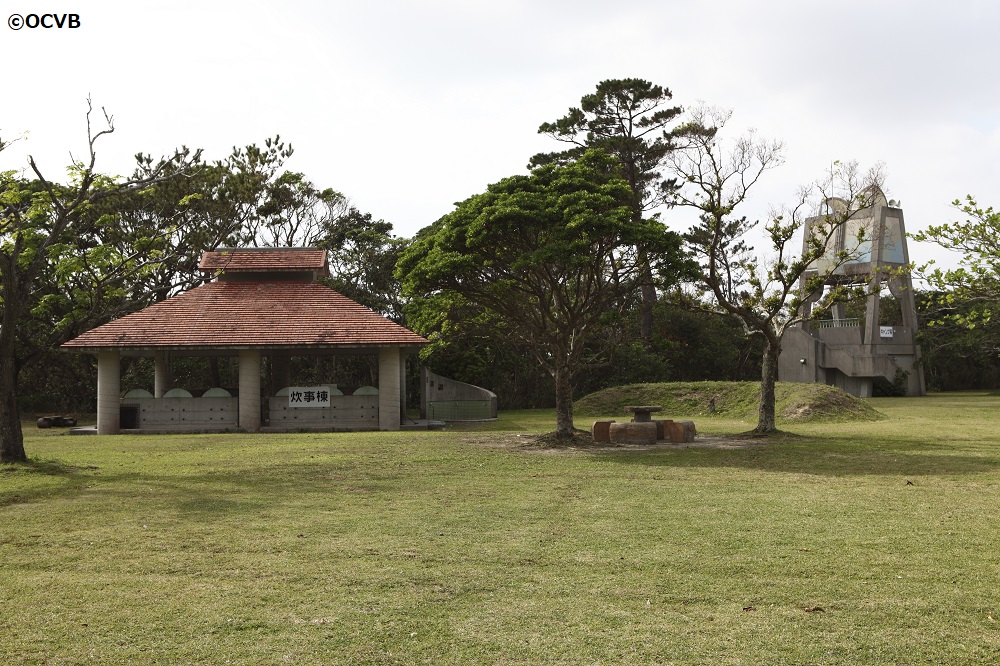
{"x": 852, "y": 353}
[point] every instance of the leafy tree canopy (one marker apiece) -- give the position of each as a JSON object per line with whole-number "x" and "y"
{"x": 52, "y": 258}
{"x": 967, "y": 295}
{"x": 552, "y": 253}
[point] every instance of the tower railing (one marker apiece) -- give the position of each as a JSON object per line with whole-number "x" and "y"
{"x": 852, "y": 322}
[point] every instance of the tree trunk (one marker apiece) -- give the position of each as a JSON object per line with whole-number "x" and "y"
{"x": 564, "y": 401}
{"x": 646, "y": 323}
{"x": 11, "y": 439}
{"x": 768, "y": 378}
{"x": 648, "y": 293}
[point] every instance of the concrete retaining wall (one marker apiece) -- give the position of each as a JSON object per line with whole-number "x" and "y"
{"x": 449, "y": 400}
{"x": 356, "y": 412}
{"x": 186, "y": 413}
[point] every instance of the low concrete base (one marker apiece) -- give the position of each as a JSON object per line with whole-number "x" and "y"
{"x": 179, "y": 430}
{"x": 425, "y": 424}
{"x": 305, "y": 428}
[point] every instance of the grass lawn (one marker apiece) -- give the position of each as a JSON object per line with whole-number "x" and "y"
{"x": 874, "y": 542}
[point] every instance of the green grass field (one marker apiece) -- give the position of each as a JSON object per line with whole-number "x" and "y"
{"x": 869, "y": 542}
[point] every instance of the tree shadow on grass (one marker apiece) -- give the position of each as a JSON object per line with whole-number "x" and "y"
{"x": 233, "y": 492}
{"x": 824, "y": 456}
{"x": 245, "y": 490}
{"x": 73, "y": 477}
{"x": 46, "y": 467}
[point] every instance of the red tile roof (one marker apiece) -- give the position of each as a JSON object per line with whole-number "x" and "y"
{"x": 250, "y": 315}
{"x": 257, "y": 260}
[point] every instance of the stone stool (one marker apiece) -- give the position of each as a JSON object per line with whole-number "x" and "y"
{"x": 680, "y": 432}
{"x": 633, "y": 433}
{"x": 662, "y": 428}
{"x": 601, "y": 431}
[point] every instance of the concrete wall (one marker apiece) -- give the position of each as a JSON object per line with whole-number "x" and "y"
{"x": 384, "y": 411}
{"x": 348, "y": 412}
{"x": 835, "y": 356}
{"x": 859, "y": 386}
{"x": 798, "y": 346}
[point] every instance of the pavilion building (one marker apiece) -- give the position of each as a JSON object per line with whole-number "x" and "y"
{"x": 262, "y": 304}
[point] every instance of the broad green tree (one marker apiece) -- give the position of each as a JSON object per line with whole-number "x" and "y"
{"x": 968, "y": 294}
{"x": 960, "y": 333}
{"x": 552, "y": 253}
{"x": 49, "y": 235}
{"x": 637, "y": 122}
{"x": 959, "y": 342}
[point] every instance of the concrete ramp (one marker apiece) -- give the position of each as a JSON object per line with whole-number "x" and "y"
{"x": 443, "y": 399}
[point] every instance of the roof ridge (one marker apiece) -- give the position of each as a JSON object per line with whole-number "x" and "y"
{"x": 254, "y": 259}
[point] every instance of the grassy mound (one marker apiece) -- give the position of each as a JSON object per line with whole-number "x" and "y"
{"x": 738, "y": 400}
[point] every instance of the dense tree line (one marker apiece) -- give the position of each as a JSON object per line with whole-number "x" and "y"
{"x": 544, "y": 287}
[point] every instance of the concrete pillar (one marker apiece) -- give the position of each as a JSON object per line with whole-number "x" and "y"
{"x": 872, "y": 313}
{"x": 161, "y": 373}
{"x": 280, "y": 372}
{"x": 424, "y": 392}
{"x": 904, "y": 292}
{"x": 388, "y": 388}
{"x": 108, "y": 392}
{"x": 250, "y": 390}
{"x": 402, "y": 386}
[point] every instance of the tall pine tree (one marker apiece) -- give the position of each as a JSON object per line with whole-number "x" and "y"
{"x": 635, "y": 121}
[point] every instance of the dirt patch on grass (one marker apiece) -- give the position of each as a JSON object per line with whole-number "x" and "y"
{"x": 582, "y": 441}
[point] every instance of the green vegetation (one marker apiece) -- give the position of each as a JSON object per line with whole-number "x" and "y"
{"x": 857, "y": 542}
{"x": 738, "y": 400}
{"x": 633, "y": 120}
{"x": 550, "y": 254}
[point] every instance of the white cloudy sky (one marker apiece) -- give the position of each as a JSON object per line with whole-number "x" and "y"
{"x": 408, "y": 107}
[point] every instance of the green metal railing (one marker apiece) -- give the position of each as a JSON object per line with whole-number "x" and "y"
{"x": 836, "y": 323}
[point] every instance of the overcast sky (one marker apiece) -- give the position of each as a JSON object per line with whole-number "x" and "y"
{"x": 408, "y": 107}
